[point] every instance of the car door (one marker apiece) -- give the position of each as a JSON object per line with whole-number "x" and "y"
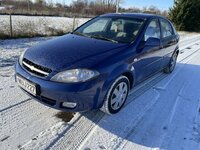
{"x": 169, "y": 40}
{"x": 149, "y": 60}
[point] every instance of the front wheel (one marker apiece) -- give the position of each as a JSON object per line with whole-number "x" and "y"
{"x": 171, "y": 66}
{"x": 116, "y": 96}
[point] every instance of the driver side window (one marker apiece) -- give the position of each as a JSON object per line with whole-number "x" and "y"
{"x": 153, "y": 30}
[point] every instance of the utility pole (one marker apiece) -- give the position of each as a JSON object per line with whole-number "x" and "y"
{"x": 117, "y": 6}
{"x": 63, "y": 3}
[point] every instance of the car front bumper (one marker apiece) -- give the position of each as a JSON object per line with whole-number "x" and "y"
{"x": 87, "y": 95}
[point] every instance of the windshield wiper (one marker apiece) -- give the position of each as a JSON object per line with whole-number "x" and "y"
{"x": 95, "y": 36}
{"x": 81, "y": 34}
{"x": 103, "y": 38}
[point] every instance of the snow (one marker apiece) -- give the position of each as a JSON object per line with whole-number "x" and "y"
{"x": 2, "y": 8}
{"x": 161, "y": 113}
{"x": 42, "y": 25}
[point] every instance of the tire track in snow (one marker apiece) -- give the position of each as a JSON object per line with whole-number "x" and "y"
{"x": 136, "y": 121}
{"x": 51, "y": 136}
{"x": 187, "y": 108}
{"x": 182, "y": 60}
{"x": 20, "y": 122}
{"x": 86, "y": 123}
{"x": 122, "y": 125}
{"x": 188, "y": 42}
{"x": 148, "y": 129}
{"x": 171, "y": 116}
{"x": 20, "y": 103}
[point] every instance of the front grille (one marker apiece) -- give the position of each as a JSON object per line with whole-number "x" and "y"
{"x": 35, "y": 69}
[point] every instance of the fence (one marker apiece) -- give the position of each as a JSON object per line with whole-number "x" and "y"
{"x": 31, "y": 26}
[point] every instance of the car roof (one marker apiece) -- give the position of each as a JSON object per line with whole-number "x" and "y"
{"x": 133, "y": 15}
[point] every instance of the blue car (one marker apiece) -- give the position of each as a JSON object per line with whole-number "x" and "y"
{"x": 96, "y": 65}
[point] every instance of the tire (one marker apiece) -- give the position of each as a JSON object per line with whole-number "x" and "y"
{"x": 116, "y": 96}
{"x": 172, "y": 64}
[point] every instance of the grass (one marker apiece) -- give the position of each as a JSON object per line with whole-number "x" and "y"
{"x": 4, "y": 36}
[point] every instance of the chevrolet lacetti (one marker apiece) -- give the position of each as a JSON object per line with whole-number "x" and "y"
{"x": 97, "y": 64}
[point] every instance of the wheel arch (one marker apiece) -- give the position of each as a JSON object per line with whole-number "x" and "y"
{"x": 176, "y": 50}
{"x": 106, "y": 106}
{"x": 130, "y": 77}
{"x": 125, "y": 70}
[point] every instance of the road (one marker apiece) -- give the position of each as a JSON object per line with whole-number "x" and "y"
{"x": 160, "y": 113}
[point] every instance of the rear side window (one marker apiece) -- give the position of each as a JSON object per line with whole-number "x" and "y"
{"x": 166, "y": 28}
{"x": 153, "y": 30}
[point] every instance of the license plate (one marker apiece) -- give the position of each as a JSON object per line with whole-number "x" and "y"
{"x": 26, "y": 85}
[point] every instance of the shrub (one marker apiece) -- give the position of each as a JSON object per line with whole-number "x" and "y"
{"x": 185, "y": 15}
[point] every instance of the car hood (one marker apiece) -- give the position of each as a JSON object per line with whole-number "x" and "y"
{"x": 72, "y": 51}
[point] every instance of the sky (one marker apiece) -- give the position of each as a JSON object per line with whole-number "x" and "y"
{"x": 161, "y": 4}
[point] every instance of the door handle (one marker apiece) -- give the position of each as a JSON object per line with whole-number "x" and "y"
{"x": 172, "y": 41}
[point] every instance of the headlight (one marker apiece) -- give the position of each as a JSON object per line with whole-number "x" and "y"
{"x": 74, "y": 76}
{"x": 21, "y": 57}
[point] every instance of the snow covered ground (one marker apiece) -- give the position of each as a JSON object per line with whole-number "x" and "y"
{"x": 39, "y": 25}
{"x": 161, "y": 113}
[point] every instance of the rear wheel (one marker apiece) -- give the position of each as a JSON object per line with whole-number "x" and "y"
{"x": 171, "y": 66}
{"x": 116, "y": 95}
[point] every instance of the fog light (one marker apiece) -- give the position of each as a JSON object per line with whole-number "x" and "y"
{"x": 69, "y": 104}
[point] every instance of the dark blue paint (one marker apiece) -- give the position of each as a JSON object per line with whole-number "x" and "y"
{"x": 110, "y": 59}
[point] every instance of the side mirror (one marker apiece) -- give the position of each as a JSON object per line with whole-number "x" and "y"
{"x": 152, "y": 42}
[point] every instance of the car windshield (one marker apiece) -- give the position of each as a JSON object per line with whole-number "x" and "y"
{"x": 117, "y": 30}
